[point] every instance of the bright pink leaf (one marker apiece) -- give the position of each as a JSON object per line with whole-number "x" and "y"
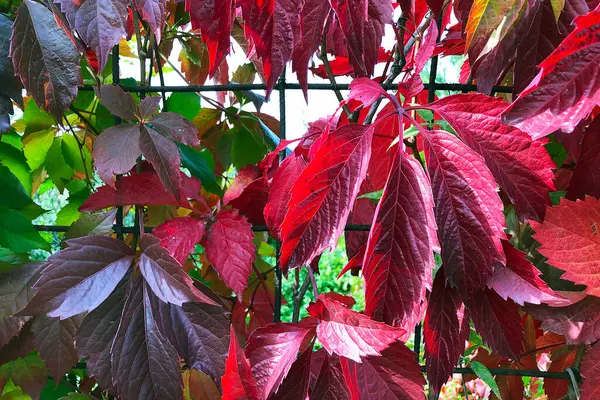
{"x": 446, "y": 328}
{"x": 273, "y": 349}
{"x": 498, "y": 322}
{"x": 165, "y": 276}
{"x": 179, "y": 236}
{"x": 322, "y": 196}
{"x": 238, "y": 381}
{"x": 570, "y": 241}
{"x": 468, "y": 212}
{"x": 80, "y": 277}
{"x": 230, "y": 249}
{"x": 393, "y": 375}
{"x": 566, "y": 89}
{"x": 521, "y": 166}
{"x": 349, "y": 334}
{"x": 143, "y": 189}
{"x": 520, "y": 280}
{"x": 399, "y": 255}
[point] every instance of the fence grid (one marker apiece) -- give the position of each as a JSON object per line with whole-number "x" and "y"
{"x": 281, "y": 87}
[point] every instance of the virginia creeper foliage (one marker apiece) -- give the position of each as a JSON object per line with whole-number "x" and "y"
{"x": 478, "y": 214}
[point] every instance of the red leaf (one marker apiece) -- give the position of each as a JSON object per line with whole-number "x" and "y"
{"x": 274, "y": 27}
{"x": 295, "y": 384}
{"x": 570, "y": 241}
{"x": 164, "y": 156}
{"x": 279, "y": 192}
{"x": 468, "y": 212}
{"x": 565, "y": 90}
{"x": 590, "y": 370}
{"x": 521, "y": 166}
{"x": 116, "y": 151}
{"x": 367, "y": 92}
{"x": 15, "y": 292}
{"x": 179, "y": 236}
{"x": 586, "y": 177}
{"x": 55, "y": 341}
{"x": 80, "y": 277}
{"x": 498, "y": 322}
{"x": 393, "y": 375}
{"x": 143, "y": 189}
{"x": 230, "y": 249}
{"x": 322, "y": 196}
{"x": 578, "y": 322}
{"x": 165, "y": 276}
{"x": 214, "y": 19}
{"x": 446, "y": 328}
{"x": 399, "y": 256}
{"x": 560, "y": 361}
{"x": 520, "y": 280}
{"x": 349, "y": 334}
{"x": 238, "y": 381}
{"x": 249, "y": 193}
{"x": 329, "y": 384}
{"x": 138, "y": 342}
{"x": 314, "y": 14}
{"x": 272, "y": 350}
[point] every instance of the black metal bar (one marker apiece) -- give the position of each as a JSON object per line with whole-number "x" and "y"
{"x": 289, "y": 86}
{"x": 126, "y": 229}
{"x": 116, "y": 80}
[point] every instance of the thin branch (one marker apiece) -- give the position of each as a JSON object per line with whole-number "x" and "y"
{"x": 263, "y": 283}
{"x": 85, "y": 120}
{"x": 338, "y": 93}
{"x": 298, "y": 299}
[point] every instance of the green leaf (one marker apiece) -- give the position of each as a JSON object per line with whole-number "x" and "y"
{"x": 373, "y": 196}
{"x": 57, "y": 167}
{"x": 12, "y": 192}
{"x": 201, "y": 165}
{"x": 36, "y": 146}
{"x": 29, "y": 372}
{"x": 15, "y": 161}
{"x": 92, "y": 224}
{"x": 72, "y": 155}
{"x": 10, "y": 260}
{"x": 486, "y": 376}
{"x": 34, "y": 119}
{"x": 248, "y": 145}
{"x": 557, "y": 151}
{"x": 185, "y": 104}
{"x": 18, "y": 234}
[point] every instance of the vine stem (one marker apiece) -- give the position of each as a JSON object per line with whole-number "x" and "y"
{"x": 263, "y": 283}
{"x": 298, "y": 299}
{"x": 329, "y": 71}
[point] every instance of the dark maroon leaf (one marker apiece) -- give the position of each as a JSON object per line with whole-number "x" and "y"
{"x": 176, "y": 127}
{"x": 446, "y": 328}
{"x": 148, "y": 107}
{"x": 330, "y": 384}
{"x": 118, "y": 102}
{"x": 199, "y": 332}
{"x": 322, "y": 196}
{"x": 238, "y": 381}
{"x": 15, "y": 292}
{"x": 163, "y": 154}
{"x": 144, "y": 364}
{"x": 521, "y": 166}
{"x": 153, "y": 12}
{"x": 96, "y": 334}
{"x": 468, "y": 212}
{"x": 19, "y": 346}
{"x": 498, "y": 322}
{"x": 55, "y": 341}
{"x": 272, "y": 350}
{"x": 295, "y": 384}
{"x": 586, "y": 177}
{"x": 143, "y": 189}
{"x": 578, "y": 322}
{"x": 348, "y": 333}
{"x": 116, "y": 151}
{"x": 590, "y": 370}
{"x": 179, "y": 236}
{"x": 80, "y": 277}
{"x": 399, "y": 256}
{"x": 101, "y": 23}
{"x": 230, "y": 249}
{"x": 45, "y": 58}
{"x": 393, "y": 375}
{"x": 165, "y": 276}
{"x": 30, "y": 373}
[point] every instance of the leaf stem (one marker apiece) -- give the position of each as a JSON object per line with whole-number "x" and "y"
{"x": 85, "y": 120}
{"x": 298, "y": 299}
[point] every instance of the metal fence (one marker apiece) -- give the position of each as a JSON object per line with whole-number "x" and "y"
{"x": 282, "y": 86}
